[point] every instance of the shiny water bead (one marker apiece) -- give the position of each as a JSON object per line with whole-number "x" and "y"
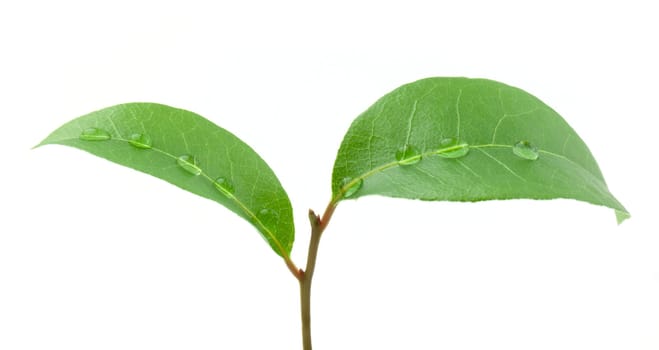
{"x": 224, "y": 186}
{"x": 268, "y": 217}
{"x": 451, "y": 148}
{"x": 526, "y": 150}
{"x": 94, "y": 134}
{"x": 141, "y": 141}
{"x": 354, "y": 186}
{"x": 189, "y": 163}
{"x": 408, "y": 155}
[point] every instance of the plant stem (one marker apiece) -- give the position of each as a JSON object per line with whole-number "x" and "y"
{"x": 318, "y": 225}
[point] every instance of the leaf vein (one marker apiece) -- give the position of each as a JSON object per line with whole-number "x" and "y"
{"x": 457, "y": 113}
{"x": 502, "y": 164}
{"x": 409, "y": 122}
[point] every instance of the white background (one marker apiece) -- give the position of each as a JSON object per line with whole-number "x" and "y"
{"x": 97, "y": 256}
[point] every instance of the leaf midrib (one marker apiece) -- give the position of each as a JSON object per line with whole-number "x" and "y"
{"x": 393, "y": 164}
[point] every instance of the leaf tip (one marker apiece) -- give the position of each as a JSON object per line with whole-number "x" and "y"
{"x": 621, "y": 216}
{"x": 43, "y": 142}
{"x": 40, "y": 144}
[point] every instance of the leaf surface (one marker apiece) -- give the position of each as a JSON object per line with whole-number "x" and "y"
{"x": 460, "y": 139}
{"x": 192, "y": 153}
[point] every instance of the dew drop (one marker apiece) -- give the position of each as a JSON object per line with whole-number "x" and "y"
{"x": 189, "y": 164}
{"x": 408, "y": 155}
{"x": 451, "y": 148}
{"x": 354, "y": 187}
{"x": 224, "y": 186}
{"x": 94, "y": 134}
{"x": 268, "y": 217}
{"x": 526, "y": 150}
{"x": 141, "y": 141}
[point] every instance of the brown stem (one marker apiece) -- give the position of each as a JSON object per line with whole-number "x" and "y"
{"x": 318, "y": 225}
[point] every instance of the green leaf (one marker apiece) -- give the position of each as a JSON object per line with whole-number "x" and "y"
{"x": 192, "y": 153}
{"x": 460, "y": 139}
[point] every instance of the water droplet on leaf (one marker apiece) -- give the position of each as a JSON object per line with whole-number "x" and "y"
{"x": 526, "y": 150}
{"x": 224, "y": 186}
{"x": 268, "y": 217}
{"x": 142, "y": 141}
{"x": 94, "y": 134}
{"x": 354, "y": 186}
{"x": 451, "y": 148}
{"x": 189, "y": 163}
{"x": 408, "y": 155}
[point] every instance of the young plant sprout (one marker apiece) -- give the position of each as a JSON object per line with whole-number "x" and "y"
{"x": 437, "y": 139}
